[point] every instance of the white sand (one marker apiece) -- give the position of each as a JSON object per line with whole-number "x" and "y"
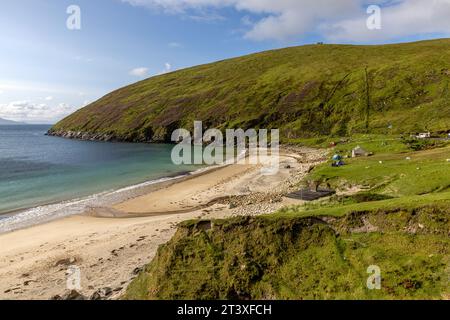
{"x": 107, "y": 250}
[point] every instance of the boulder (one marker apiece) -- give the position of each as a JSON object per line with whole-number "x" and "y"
{"x": 70, "y": 295}
{"x": 101, "y": 294}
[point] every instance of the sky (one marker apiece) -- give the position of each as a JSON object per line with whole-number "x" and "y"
{"x": 57, "y": 56}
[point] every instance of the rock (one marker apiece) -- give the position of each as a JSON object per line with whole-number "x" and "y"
{"x": 65, "y": 262}
{"x": 27, "y": 282}
{"x": 136, "y": 271}
{"x": 84, "y": 136}
{"x": 142, "y": 238}
{"x": 101, "y": 294}
{"x": 74, "y": 295}
{"x": 106, "y": 291}
{"x": 95, "y": 296}
{"x": 232, "y": 206}
{"x": 69, "y": 295}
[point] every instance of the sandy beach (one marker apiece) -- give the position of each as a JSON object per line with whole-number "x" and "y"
{"x": 109, "y": 245}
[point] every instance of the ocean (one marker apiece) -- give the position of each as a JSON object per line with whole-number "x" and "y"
{"x": 43, "y": 177}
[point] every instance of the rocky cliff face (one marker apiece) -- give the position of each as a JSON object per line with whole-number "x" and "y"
{"x": 81, "y": 135}
{"x": 108, "y": 137}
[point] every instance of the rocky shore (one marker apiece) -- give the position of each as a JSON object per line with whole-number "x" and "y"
{"x": 86, "y": 136}
{"x": 156, "y": 137}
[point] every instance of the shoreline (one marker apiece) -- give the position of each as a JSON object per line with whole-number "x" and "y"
{"x": 100, "y": 201}
{"x": 121, "y": 194}
{"x": 111, "y": 244}
{"x": 97, "y": 200}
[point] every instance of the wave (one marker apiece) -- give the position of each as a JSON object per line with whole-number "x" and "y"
{"x": 47, "y": 213}
{"x": 50, "y": 212}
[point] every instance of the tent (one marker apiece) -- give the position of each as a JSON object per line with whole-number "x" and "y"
{"x": 360, "y": 152}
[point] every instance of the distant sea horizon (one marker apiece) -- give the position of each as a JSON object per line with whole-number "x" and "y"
{"x": 44, "y": 177}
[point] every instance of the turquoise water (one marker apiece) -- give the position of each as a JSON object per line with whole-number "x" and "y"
{"x": 37, "y": 170}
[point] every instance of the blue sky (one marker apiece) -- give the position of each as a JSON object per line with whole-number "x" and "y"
{"x": 47, "y": 71}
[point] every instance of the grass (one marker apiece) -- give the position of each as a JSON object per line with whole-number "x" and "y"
{"x": 307, "y": 92}
{"x": 400, "y": 224}
{"x": 394, "y": 177}
{"x": 301, "y": 258}
{"x": 392, "y": 171}
{"x": 335, "y": 209}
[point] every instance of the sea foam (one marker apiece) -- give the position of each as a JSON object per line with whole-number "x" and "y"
{"x": 47, "y": 213}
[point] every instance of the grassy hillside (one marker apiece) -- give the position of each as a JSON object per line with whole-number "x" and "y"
{"x": 397, "y": 172}
{"x": 399, "y": 220}
{"x": 307, "y": 91}
{"x": 303, "y": 258}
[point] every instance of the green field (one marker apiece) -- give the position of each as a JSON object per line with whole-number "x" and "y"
{"x": 395, "y": 174}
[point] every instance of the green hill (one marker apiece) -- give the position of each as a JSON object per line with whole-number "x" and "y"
{"x": 302, "y": 258}
{"x": 307, "y": 91}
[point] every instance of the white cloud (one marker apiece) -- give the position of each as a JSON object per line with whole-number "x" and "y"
{"x": 405, "y": 18}
{"x": 343, "y": 20}
{"x": 139, "y": 72}
{"x": 31, "y": 112}
{"x": 167, "y": 68}
{"x": 49, "y": 98}
{"x": 175, "y": 45}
